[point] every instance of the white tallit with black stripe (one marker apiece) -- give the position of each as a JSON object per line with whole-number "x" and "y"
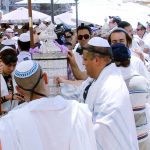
{"x": 108, "y": 100}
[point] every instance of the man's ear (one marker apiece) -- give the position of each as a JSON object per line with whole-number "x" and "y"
{"x": 0, "y": 146}
{"x": 45, "y": 78}
{"x": 98, "y": 60}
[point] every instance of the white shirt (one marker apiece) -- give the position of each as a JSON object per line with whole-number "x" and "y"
{"x": 48, "y": 124}
{"x": 23, "y": 55}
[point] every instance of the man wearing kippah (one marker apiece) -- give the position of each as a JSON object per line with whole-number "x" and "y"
{"x": 44, "y": 122}
{"x": 119, "y": 35}
{"x": 138, "y": 87}
{"x": 24, "y": 46}
{"x": 107, "y": 96}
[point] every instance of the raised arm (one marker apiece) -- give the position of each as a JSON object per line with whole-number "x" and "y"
{"x": 79, "y": 75}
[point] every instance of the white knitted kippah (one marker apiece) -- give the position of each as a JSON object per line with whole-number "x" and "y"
{"x": 26, "y": 69}
{"x": 98, "y": 41}
{"x": 24, "y": 37}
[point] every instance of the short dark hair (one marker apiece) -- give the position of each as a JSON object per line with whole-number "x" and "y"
{"x": 83, "y": 26}
{"x": 124, "y": 24}
{"x": 8, "y": 56}
{"x": 116, "y": 19}
{"x": 118, "y": 30}
{"x": 25, "y": 46}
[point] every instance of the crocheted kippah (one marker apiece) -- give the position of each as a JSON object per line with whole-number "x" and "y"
{"x": 120, "y": 52}
{"x": 26, "y": 69}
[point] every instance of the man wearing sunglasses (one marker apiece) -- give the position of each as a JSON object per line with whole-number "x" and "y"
{"x": 84, "y": 34}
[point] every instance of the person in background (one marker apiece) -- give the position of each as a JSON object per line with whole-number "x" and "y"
{"x": 9, "y": 42}
{"x": 9, "y": 33}
{"x": 138, "y": 87}
{"x": 24, "y": 47}
{"x": 9, "y": 94}
{"x": 84, "y": 33}
{"x": 119, "y": 35}
{"x": 70, "y": 39}
{"x": 45, "y": 122}
{"x": 138, "y": 46}
{"x": 113, "y": 22}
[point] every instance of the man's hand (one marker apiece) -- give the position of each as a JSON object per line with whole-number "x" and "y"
{"x": 71, "y": 58}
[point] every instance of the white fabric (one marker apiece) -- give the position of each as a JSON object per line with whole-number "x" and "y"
{"x": 48, "y": 124}
{"x": 139, "y": 67}
{"x": 8, "y": 42}
{"x": 108, "y": 100}
{"x": 9, "y": 30}
{"x": 114, "y": 122}
{"x": 139, "y": 89}
{"x": 137, "y": 43}
{"x": 4, "y": 90}
{"x": 21, "y": 15}
{"x": 5, "y": 48}
{"x": 23, "y": 55}
{"x": 7, "y": 106}
{"x": 147, "y": 41}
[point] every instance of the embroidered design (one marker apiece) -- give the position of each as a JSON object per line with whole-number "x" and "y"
{"x": 27, "y": 73}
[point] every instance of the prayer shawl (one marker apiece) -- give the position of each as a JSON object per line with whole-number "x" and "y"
{"x": 139, "y": 67}
{"x": 48, "y": 124}
{"x": 4, "y": 90}
{"x": 139, "y": 89}
{"x": 7, "y": 106}
{"x": 108, "y": 100}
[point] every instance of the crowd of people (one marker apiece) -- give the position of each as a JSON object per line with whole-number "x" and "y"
{"x": 104, "y": 102}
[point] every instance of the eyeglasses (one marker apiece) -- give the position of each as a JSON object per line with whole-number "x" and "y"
{"x": 86, "y": 36}
{"x": 138, "y": 29}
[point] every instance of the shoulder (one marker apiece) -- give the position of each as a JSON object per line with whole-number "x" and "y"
{"x": 138, "y": 82}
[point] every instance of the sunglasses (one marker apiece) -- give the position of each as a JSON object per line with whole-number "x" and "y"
{"x": 138, "y": 29}
{"x": 67, "y": 37}
{"x": 39, "y": 33}
{"x": 86, "y": 36}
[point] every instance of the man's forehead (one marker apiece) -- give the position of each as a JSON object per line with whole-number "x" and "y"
{"x": 83, "y": 31}
{"x": 118, "y": 35}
